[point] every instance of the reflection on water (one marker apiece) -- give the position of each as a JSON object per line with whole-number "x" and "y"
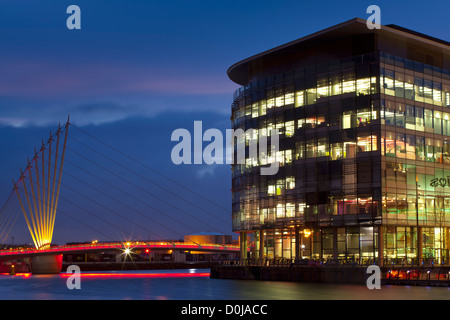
{"x": 195, "y": 285}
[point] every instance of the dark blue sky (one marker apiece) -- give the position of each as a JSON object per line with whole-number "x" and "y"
{"x": 140, "y": 69}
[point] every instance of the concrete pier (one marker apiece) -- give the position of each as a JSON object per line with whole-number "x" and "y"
{"x": 46, "y": 264}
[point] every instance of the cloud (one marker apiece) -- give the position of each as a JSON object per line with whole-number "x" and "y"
{"x": 206, "y": 170}
{"x": 101, "y": 110}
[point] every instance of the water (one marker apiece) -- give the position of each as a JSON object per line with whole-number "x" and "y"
{"x": 194, "y": 284}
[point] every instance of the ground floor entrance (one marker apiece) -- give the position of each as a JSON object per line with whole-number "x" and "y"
{"x": 363, "y": 244}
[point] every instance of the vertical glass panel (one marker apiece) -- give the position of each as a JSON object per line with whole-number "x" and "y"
{"x": 400, "y": 116}
{"x": 389, "y": 85}
{"x": 336, "y": 85}
{"x": 348, "y": 83}
{"x": 437, "y": 122}
{"x": 262, "y": 107}
{"x": 255, "y": 110}
{"x": 349, "y": 149}
{"x": 363, "y": 87}
{"x": 336, "y": 151}
{"x": 410, "y": 147}
{"x": 446, "y": 95}
{"x": 347, "y": 120}
{"x": 400, "y": 146}
{"x": 419, "y": 113}
{"x": 428, "y": 91}
{"x": 429, "y": 150}
{"x": 311, "y": 95}
{"x": 289, "y": 98}
{"x": 363, "y": 117}
{"x": 418, "y": 89}
{"x": 390, "y": 144}
{"x": 437, "y": 93}
{"x": 409, "y": 87}
{"x": 311, "y": 149}
{"x": 399, "y": 85}
{"x": 322, "y": 147}
{"x": 420, "y": 148}
{"x": 290, "y": 128}
{"x": 446, "y": 152}
{"x": 389, "y": 115}
{"x": 299, "y": 99}
{"x": 300, "y": 150}
{"x": 445, "y": 124}
{"x": 428, "y": 116}
{"x": 290, "y": 183}
{"x": 438, "y": 151}
{"x": 410, "y": 121}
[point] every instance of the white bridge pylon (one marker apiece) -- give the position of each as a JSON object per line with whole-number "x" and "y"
{"x": 38, "y": 189}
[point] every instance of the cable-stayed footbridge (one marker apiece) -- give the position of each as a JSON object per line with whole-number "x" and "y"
{"x": 105, "y": 193}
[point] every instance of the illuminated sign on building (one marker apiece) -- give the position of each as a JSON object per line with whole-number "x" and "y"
{"x": 440, "y": 182}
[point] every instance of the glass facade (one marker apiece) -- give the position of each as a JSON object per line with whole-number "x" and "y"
{"x": 364, "y": 162}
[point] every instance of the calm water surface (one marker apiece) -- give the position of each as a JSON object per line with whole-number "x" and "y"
{"x": 194, "y": 284}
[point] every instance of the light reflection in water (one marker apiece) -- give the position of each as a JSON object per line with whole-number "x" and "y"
{"x": 195, "y": 285}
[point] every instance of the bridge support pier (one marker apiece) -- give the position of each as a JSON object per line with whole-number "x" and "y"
{"x": 46, "y": 264}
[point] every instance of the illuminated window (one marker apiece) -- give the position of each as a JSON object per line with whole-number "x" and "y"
{"x": 363, "y": 87}
{"x": 310, "y": 123}
{"x": 290, "y": 183}
{"x": 322, "y": 147}
{"x": 288, "y": 156}
{"x": 400, "y": 145}
{"x": 363, "y": 117}
{"x": 299, "y": 99}
{"x": 290, "y": 210}
{"x": 280, "y": 157}
{"x": 311, "y": 96}
{"x": 364, "y": 144}
{"x": 388, "y": 83}
{"x": 347, "y": 120}
{"x": 290, "y": 128}
{"x": 262, "y": 107}
{"x": 311, "y": 149}
{"x": 271, "y": 189}
{"x": 390, "y": 144}
{"x": 300, "y": 151}
{"x": 336, "y": 151}
{"x": 410, "y": 147}
{"x": 437, "y": 122}
{"x": 280, "y": 187}
{"x": 280, "y": 210}
{"x": 409, "y": 87}
{"x": 279, "y": 101}
{"x": 437, "y": 92}
{"x": 446, "y": 124}
{"x": 418, "y": 89}
{"x": 323, "y": 92}
{"x": 255, "y": 110}
{"x": 349, "y": 149}
{"x": 289, "y": 98}
{"x": 420, "y": 148}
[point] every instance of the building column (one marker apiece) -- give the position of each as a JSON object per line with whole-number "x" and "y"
{"x": 261, "y": 244}
{"x": 297, "y": 244}
{"x": 380, "y": 245}
{"x": 419, "y": 245}
{"x": 243, "y": 244}
{"x": 335, "y": 244}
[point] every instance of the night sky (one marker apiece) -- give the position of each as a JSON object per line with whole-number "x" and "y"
{"x": 136, "y": 71}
